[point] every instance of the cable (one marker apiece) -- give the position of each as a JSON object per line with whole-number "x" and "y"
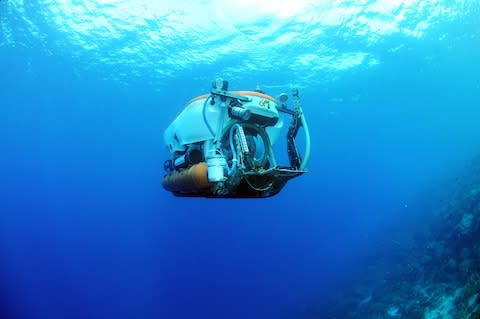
{"x": 234, "y": 152}
{"x": 205, "y": 115}
{"x": 306, "y": 156}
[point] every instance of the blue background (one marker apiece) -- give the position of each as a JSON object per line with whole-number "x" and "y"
{"x": 391, "y": 92}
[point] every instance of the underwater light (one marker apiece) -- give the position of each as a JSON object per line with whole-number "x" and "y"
{"x": 221, "y": 144}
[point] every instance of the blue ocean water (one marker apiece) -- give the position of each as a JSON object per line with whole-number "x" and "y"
{"x": 391, "y": 92}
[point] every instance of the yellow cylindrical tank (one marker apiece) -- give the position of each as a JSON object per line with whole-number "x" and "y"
{"x": 192, "y": 179}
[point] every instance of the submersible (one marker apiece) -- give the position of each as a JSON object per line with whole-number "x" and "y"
{"x": 222, "y": 144}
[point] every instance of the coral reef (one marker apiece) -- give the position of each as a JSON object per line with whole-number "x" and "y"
{"x": 431, "y": 271}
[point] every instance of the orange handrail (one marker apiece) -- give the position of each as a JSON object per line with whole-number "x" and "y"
{"x": 247, "y": 93}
